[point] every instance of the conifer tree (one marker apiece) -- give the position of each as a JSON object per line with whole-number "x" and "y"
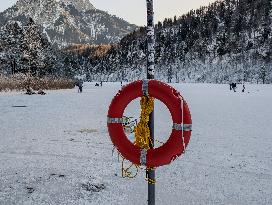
{"x": 38, "y": 52}
{"x": 12, "y": 45}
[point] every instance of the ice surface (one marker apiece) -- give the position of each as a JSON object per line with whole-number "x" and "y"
{"x": 56, "y": 150}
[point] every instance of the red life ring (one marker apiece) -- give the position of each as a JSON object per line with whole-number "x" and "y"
{"x": 182, "y": 123}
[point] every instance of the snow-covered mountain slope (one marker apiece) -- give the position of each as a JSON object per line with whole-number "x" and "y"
{"x": 230, "y": 40}
{"x": 69, "y": 21}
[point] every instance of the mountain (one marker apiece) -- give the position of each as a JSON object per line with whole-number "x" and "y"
{"x": 227, "y": 41}
{"x": 67, "y": 22}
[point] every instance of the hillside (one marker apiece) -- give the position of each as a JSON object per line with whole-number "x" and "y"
{"x": 67, "y": 22}
{"x": 227, "y": 41}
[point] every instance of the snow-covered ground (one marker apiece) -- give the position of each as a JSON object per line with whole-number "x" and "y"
{"x": 56, "y": 150}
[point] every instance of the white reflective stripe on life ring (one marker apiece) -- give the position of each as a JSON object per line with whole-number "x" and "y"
{"x": 182, "y": 127}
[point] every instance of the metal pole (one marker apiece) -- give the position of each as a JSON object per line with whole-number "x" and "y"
{"x": 150, "y": 40}
{"x": 150, "y": 75}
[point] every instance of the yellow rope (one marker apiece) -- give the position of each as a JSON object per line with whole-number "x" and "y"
{"x": 149, "y": 180}
{"x": 142, "y": 137}
{"x": 126, "y": 173}
{"x": 142, "y": 132}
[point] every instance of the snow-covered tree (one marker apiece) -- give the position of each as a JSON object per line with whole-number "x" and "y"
{"x": 25, "y": 49}
{"x": 12, "y": 45}
{"x": 223, "y": 42}
{"x": 37, "y": 50}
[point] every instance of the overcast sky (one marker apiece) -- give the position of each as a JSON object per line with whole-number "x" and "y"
{"x": 134, "y": 11}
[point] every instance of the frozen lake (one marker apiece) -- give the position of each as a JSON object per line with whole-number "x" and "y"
{"x": 55, "y": 149}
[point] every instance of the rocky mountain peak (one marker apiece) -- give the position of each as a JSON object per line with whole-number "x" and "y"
{"x": 68, "y": 22}
{"x": 80, "y": 5}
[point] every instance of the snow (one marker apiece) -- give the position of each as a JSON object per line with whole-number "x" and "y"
{"x": 81, "y": 30}
{"x": 45, "y": 27}
{"x": 57, "y": 149}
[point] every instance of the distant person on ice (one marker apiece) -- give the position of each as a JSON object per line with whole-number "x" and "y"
{"x": 79, "y": 84}
{"x": 243, "y": 88}
{"x": 29, "y": 91}
{"x": 41, "y": 92}
{"x": 233, "y": 87}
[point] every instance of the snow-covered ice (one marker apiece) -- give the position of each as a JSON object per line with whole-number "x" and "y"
{"x": 56, "y": 150}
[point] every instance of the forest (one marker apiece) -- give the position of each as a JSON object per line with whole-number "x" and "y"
{"x": 227, "y": 41}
